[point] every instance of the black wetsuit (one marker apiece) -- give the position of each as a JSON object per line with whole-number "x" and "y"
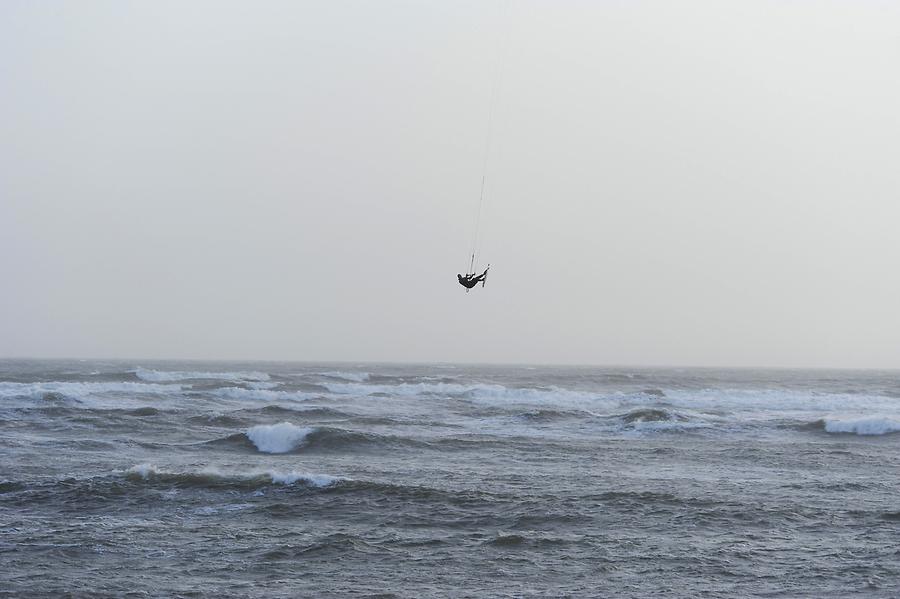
{"x": 470, "y": 281}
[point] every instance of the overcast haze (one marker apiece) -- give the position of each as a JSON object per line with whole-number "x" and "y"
{"x": 670, "y": 183}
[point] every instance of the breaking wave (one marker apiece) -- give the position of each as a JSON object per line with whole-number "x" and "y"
{"x": 260, "y": 385}
{"x": 403, "y": 389}
{"x": 478, "y": 392}
{"x": 287, "y": 438}
{"x": 214, "y": 478}
{"x": 82, "y": 391}
{"x": 164, "y": 376}
{"x": 658, "y": 420}
{"x": 771, "y": 402}
{"x": 278, "y": 438}
{"x": 873, "y": 425}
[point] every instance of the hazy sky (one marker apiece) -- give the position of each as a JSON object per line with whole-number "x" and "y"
{"x": 670, "y": 183}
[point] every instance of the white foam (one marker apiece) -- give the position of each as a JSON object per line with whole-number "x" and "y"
{"x": 404, "y": 389}
{"x": 241, "y": 394}
{"x": 769, "y": 402}
{"x": 144, "y": 470}
{"x": 277, "y": 438}
{"x": 84, "y": 391}
{"x": 315, "y": 480}
{"x": 659, "y": 426}
{"x": 483, "y": 393}
{"x": 873, "y": 425}
{"x": 477, "y": 390}
{"x": 163, "y": 376}
{"x": 721, "y": 410}
{"x": 762, "y": 402}
{"x": 261, "y": 385}
{"x": 550, "y": 396}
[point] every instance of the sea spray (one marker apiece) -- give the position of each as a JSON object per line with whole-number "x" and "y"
{"x": 278, "y": 438}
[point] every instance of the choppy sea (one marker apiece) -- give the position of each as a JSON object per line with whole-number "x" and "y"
{"x": 261, "y": 479}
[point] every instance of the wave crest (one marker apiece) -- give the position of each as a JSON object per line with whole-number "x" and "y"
{"x": 873, "y": 425}
{"x": 214, "y": 478}
{"x": 242, "y": 394}
{"x": 166, "y": 376}
{"x": 278, "y": 438}
{"x": 79, "y": 392}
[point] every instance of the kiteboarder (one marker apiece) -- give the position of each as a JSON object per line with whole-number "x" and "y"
{"x": 471, "y": 280}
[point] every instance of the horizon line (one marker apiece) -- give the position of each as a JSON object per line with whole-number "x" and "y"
{"x": 457, "y": 363}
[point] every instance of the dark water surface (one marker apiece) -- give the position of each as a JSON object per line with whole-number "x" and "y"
{"x": 326, "y": 480}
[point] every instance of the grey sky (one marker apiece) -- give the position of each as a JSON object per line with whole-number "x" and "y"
{"x": 686, "y": 183}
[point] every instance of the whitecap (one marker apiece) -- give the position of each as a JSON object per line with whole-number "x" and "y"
{"x": 315, "y": 480}
{"x": 277, "y": 438}
{"x": 163, "y": 376}
{"x": 873, "y": 425}
{"x": 83, "y": 391}
{"x": 242, "y": 394}
{"x": 261, "y": 385}
{"x": 144, "y": 470}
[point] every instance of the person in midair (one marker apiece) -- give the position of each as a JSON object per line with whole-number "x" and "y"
{"x": 471, "y": 280}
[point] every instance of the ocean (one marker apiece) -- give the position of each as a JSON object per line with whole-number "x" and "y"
{"x": 192, "y": 479}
